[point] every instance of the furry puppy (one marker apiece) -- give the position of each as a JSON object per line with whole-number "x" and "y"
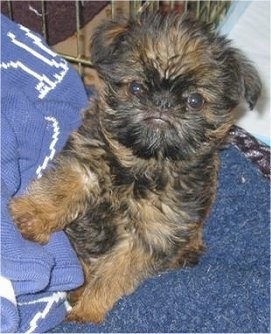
{"x": 134, "y": 184}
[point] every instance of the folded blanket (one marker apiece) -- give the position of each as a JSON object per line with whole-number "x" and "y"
{"x": 41, "y": 102}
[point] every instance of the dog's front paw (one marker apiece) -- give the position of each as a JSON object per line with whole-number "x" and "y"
{"x": 30, "y": 219}
{"x": 82, "y": 315}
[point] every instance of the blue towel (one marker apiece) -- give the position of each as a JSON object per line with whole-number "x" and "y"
{"x": 229, "y": 291}
{"x": 41, "y": 101}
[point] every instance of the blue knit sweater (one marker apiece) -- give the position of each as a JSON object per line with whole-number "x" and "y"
{"x": 41, "y": 101}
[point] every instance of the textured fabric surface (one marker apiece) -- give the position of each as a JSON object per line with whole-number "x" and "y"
{"x": 255, "y": 151}
{"x": 229, "y": 290}
{"x": 41, "y": 102}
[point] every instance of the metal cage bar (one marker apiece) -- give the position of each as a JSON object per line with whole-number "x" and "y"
{"x": 78, "y": 34}
{"x": 10, "y": 11}
{"x": 43, "y": 18}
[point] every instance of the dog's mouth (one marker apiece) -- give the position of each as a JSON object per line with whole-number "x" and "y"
{"x": 158, "y": 120}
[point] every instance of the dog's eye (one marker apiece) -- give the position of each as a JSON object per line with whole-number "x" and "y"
{"x": 136, "y": 88}
{"x": 195, "y": 101}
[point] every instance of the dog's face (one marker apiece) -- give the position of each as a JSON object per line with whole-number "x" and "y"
{"x": 170, "y": 84}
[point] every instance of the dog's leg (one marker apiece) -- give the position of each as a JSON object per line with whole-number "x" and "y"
{"x": 189, "y": 254}
{"x": 54, "y": 200}
{"x": 115, "y": 275}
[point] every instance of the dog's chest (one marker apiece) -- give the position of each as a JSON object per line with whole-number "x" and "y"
{"x": 148, "y": 210}
{"x": 154, "y": 222}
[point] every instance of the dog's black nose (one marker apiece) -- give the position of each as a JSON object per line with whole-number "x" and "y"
{"x": 163, "y": 101}
{"x": 165, "y": 104}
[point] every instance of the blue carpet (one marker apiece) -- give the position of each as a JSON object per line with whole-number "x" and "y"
{"x": 229, "y": 290}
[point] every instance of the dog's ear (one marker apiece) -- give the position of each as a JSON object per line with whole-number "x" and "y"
{"x": 106, "y": 41}
{"x": 250, "y": 83}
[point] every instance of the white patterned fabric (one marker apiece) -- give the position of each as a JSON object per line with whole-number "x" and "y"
{"x": 41, "y": 102}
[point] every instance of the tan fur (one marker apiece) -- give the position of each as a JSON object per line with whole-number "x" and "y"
{"x": 57, "y": 200}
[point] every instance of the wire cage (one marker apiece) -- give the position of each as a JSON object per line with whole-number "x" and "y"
{"x": 76, "y": 13}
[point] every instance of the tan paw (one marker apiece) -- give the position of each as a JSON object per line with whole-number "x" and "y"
{"x": 30, "y": 219}
{"x": 84, "y": 315}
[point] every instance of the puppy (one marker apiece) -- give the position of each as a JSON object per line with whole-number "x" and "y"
{"x": 134, "y": 184}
